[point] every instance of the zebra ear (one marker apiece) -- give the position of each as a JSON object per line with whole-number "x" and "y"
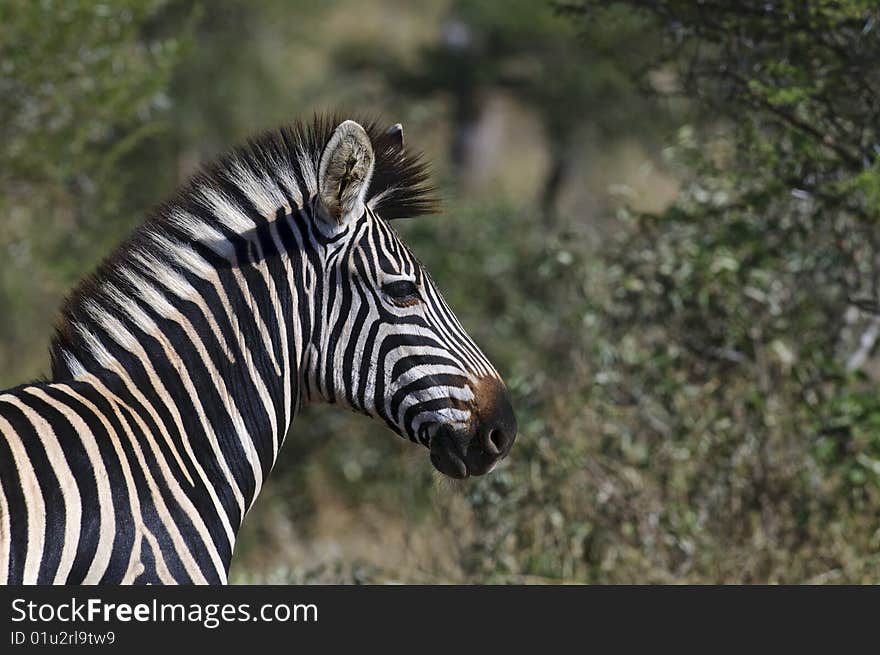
{"x": 345, "y": 171}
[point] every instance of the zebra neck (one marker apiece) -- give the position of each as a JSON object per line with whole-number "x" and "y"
{"x": 249, "y": 351}
{"x": 205, "y": 352}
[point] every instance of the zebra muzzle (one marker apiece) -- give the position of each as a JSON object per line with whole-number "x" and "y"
{"x": 462, "y": 453}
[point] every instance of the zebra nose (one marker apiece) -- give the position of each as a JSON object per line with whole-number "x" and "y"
{"x": 491, "y": 444}
{"x": 495, "y": 430}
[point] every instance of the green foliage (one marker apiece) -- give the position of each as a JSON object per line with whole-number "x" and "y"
{"x": 81, "y": 91}
{"x": 80, "y": 86}
{"x": 744, "y": 317}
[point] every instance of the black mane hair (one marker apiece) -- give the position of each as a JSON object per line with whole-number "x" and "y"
{"x": 398, "y": 188}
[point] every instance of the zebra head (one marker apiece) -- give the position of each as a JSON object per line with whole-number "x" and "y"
{"x": 384, "y": 342}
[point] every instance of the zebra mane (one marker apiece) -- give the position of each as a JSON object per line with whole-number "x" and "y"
{"x": 289, "y": 158}
{"x": 276, "y": 170}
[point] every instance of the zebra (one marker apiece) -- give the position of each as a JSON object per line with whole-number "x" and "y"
{"x": 272, "y": 279}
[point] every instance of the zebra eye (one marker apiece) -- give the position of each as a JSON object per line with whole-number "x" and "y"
{"x": 401, "y": 292}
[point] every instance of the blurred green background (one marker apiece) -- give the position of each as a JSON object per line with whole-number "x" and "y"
{"x": 660, "y": 220}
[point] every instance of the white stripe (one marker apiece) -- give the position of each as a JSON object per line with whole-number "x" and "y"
{"x": 180, "y": 546}
{"x": 66, "y": 481}
{"x": 260, "y": 190}
{"x": 33, "y": 500}
{"x": 308, "y": 170}
{"x": 225, "y": 210}
{"x": 5, "y": 537}
{"x": 131, "y": 488}
{"x": 285, "y": 173}
{"x": 426, "y": 395}
{"x": 106, "y": 511}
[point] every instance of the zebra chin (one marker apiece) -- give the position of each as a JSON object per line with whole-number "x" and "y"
{"x": 459, "y": 453}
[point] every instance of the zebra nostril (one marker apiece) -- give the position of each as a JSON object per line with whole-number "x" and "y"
{"x": 493, "y": 441}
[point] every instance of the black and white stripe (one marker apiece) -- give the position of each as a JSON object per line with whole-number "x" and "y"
{"x": 271, "y": 280}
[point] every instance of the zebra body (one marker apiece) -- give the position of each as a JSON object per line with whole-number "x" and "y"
{"x": 272, "y": 280}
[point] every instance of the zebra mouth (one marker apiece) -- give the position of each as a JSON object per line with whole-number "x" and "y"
{"x": 461, "y": 449}
{"x": 456, "y": 453}
{"x": 448, "y": 454}
{"x": 449, "y": 463}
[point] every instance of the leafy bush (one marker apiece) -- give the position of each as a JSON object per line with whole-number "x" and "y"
{"x": 82, "y": 93}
